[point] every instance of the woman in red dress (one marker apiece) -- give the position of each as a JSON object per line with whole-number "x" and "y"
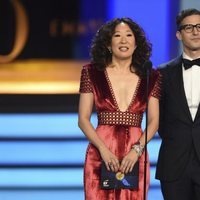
{"x": 115, "y": 82}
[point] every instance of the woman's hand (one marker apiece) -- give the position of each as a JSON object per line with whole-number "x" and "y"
{"x": 111, "y": 161}
{"x": 128, "y": 162}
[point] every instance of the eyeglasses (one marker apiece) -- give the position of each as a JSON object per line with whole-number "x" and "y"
{"x": 189, "y": 28}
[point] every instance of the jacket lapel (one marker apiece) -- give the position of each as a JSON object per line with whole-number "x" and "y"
{"x": 197, "y": 114}
{"x": 176, "y": 80}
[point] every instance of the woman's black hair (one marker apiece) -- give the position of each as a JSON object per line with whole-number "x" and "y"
{"x": 101, "y": 57}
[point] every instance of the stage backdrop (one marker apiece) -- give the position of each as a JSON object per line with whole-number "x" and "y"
{"x": 48, "y": 28}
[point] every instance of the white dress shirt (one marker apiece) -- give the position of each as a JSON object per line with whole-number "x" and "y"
{"x": 191, "y": 80}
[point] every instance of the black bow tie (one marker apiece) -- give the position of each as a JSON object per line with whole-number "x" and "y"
{"x": 189, "y": 63}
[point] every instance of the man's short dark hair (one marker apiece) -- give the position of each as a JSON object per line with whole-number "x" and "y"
{"x": 185, "y": 13}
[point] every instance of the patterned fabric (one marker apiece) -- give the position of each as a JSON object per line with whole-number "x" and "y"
{"x": 156, "y": 92}
{"x": 119, "y": 130}
{"x": 85, "y": 83}
{"x": 120, "y": 118}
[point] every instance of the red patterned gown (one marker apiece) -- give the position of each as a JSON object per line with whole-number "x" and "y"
{"x": 119, "y": 130}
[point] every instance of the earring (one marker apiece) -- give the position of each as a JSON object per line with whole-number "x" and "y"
{"x": 110, "y": 50}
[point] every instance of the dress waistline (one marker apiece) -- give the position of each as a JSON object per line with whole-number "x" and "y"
{"x": 120, "y": 118}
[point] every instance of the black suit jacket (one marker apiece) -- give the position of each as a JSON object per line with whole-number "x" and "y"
{"x": 179, "y": 133}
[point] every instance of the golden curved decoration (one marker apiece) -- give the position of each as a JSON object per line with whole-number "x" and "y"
{"x": 22, "y": 29}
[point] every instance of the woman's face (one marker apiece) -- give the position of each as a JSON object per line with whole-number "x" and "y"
{"x": 123, "y": 42}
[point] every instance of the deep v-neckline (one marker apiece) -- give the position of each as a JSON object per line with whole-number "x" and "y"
{"x": 113, "y": 94}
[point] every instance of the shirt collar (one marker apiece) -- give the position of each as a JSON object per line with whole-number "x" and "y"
{"x": 185, "y": 56}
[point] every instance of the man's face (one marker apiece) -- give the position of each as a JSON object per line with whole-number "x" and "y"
{"x": 191, "y": 39}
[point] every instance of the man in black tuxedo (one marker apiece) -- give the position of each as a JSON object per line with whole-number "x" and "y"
{"x": 178, "y": 167}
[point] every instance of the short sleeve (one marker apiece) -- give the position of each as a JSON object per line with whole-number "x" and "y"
{"x": 156, "y": 91}
{"x": 85, "y": 81}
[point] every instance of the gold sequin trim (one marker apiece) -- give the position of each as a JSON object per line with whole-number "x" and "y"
{"x": 120, "y": 118}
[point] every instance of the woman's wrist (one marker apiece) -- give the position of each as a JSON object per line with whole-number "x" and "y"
{"x": 138, "y": 148}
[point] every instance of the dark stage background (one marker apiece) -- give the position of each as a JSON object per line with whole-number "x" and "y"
{"x": 55, "y": 28}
